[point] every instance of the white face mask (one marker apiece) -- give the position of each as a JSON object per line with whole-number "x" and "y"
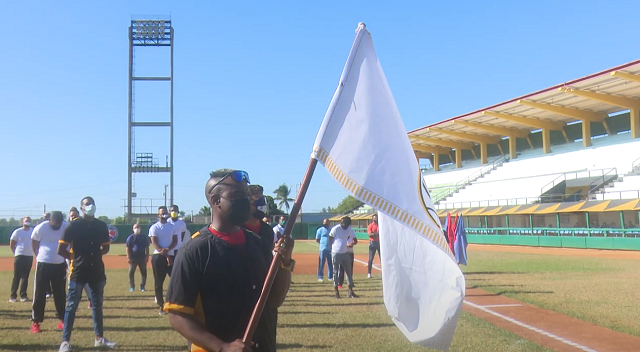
{"x": 136, "y": 231}
{"x": 90, "y": 209}
{"x": 26, "y": 223}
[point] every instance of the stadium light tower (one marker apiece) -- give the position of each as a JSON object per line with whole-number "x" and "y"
{"x": 148, "y": 33}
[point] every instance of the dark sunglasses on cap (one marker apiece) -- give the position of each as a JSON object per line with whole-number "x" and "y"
{"x": 237, "y": 175}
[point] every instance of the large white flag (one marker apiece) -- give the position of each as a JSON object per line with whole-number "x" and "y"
{"x": 363, "y": 143}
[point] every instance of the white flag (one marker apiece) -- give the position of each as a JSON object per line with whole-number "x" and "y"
{"x": 363, "y": 143}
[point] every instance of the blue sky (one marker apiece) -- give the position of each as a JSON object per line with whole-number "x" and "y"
{"x": 253, "y": 80}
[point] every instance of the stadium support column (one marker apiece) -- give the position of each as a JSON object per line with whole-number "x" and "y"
{"x": 546, "y": 141}
{"x": 483, "y": 153}
{"x": 635, "y": 122}
{"x": 513, "y": 152}
{"x": 436, "y": 161}
{"x": 458, "y": 158}
{"x": 586, "y": 133}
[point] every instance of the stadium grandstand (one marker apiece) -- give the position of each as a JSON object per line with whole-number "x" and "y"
{"x": 559, "y": 167}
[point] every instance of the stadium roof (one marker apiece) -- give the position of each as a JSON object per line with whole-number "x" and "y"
{"x": 591, "y": 98}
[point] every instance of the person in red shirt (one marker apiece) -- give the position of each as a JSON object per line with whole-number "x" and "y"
{"x": 374, "y": 242}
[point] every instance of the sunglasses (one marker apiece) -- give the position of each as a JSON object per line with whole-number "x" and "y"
{"x": 237, "y": 175}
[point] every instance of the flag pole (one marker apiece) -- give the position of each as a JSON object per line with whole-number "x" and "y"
{"x": 275, "y": 262}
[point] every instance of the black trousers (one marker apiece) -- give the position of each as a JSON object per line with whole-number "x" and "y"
{"x": 160, "y": 271}
{"x": 137, "y": 263}
{"x": 374, "y": 246}
{"x": 49, "y": 275}
{"x": 21, "y": 269}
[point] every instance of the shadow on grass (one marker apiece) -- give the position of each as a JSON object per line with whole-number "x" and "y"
{"x": 286, "y": 346}
{"x": 501, "y": 293}
{"x": 492, "y": 273}
{"x": 150, "y": 308}
{"x": 523, "y": 292}
{"x": 110, "y": 328}
{"x": 483, "y": 286}
{"x": 335, "y": 302}
{"x": 280, "y": 312}
{"x": 131, "y": 348}
{"x": 27, "y": 347}
{"x": 336, "y": 326}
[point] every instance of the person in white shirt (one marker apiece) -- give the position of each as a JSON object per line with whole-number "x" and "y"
{"x": 341, "y": 238}
{"x": 20, "y": 243}
{"x": 164, "y": 239}
{"x": 51, "y": 269}
{"x": 278, "y": 230}
{"x": 180, "y": 227}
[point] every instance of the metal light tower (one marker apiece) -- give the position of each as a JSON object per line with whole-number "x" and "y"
{"x": 148, "y": 33}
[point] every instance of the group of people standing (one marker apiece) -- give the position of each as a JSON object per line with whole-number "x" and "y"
{"x": 68, "y": 254}
{"x": 336, "y": 250}
{"x": 216, "y": 275}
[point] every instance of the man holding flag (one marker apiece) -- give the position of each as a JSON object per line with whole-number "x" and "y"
{"x": 423, "y": 285}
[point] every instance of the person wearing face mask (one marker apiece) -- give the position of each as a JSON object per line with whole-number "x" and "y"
{"x": 322, "y": 238}
{"x": 48, "y": 291}
{"x": 88, "y": 240}
{"x": 74, "y": 214}
{"x": 256, "y": 225}
{"x": 212, "y": 307}
{"x": 341, "y": 238}
{"x": 180, "y": 227}
{"x": 20, "y": 243}
{"x": 50, "y": 269}
{"x": 137, "y": 249}
{"x": 164, "y": 239}
{"x": 278, "y": 230}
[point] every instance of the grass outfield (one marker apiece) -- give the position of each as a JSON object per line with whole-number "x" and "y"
{"x": 599, "y": 290}
{"x": 310, "y": 319}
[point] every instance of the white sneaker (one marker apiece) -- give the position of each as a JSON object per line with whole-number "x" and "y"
{"x": 64, "y": 347}
{"x": 368, "y": 276}
{"x": 320, "y": 280}
{"x": 13, "y": 300}
{"x": 102, "y": 342}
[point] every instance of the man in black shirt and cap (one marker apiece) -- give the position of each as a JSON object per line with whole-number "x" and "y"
{"x": 218, "y": 274}
{"x": 88, "y": 239}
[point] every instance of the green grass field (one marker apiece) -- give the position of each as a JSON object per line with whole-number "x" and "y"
{"x": 310, "y": 319}
{"x": 598, "y": 290}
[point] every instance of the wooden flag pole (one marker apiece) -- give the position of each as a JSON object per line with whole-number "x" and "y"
{"x": 275, "y": 263}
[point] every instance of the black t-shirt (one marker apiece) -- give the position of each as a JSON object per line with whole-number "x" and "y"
{"x": 268, "y": 324}
{"x": 86, "y": 239}
{"x": 220, "y": 285}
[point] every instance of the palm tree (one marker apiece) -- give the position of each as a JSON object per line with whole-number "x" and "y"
{"x": 205, "y": 211}
{"x": 282, "y": 195}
